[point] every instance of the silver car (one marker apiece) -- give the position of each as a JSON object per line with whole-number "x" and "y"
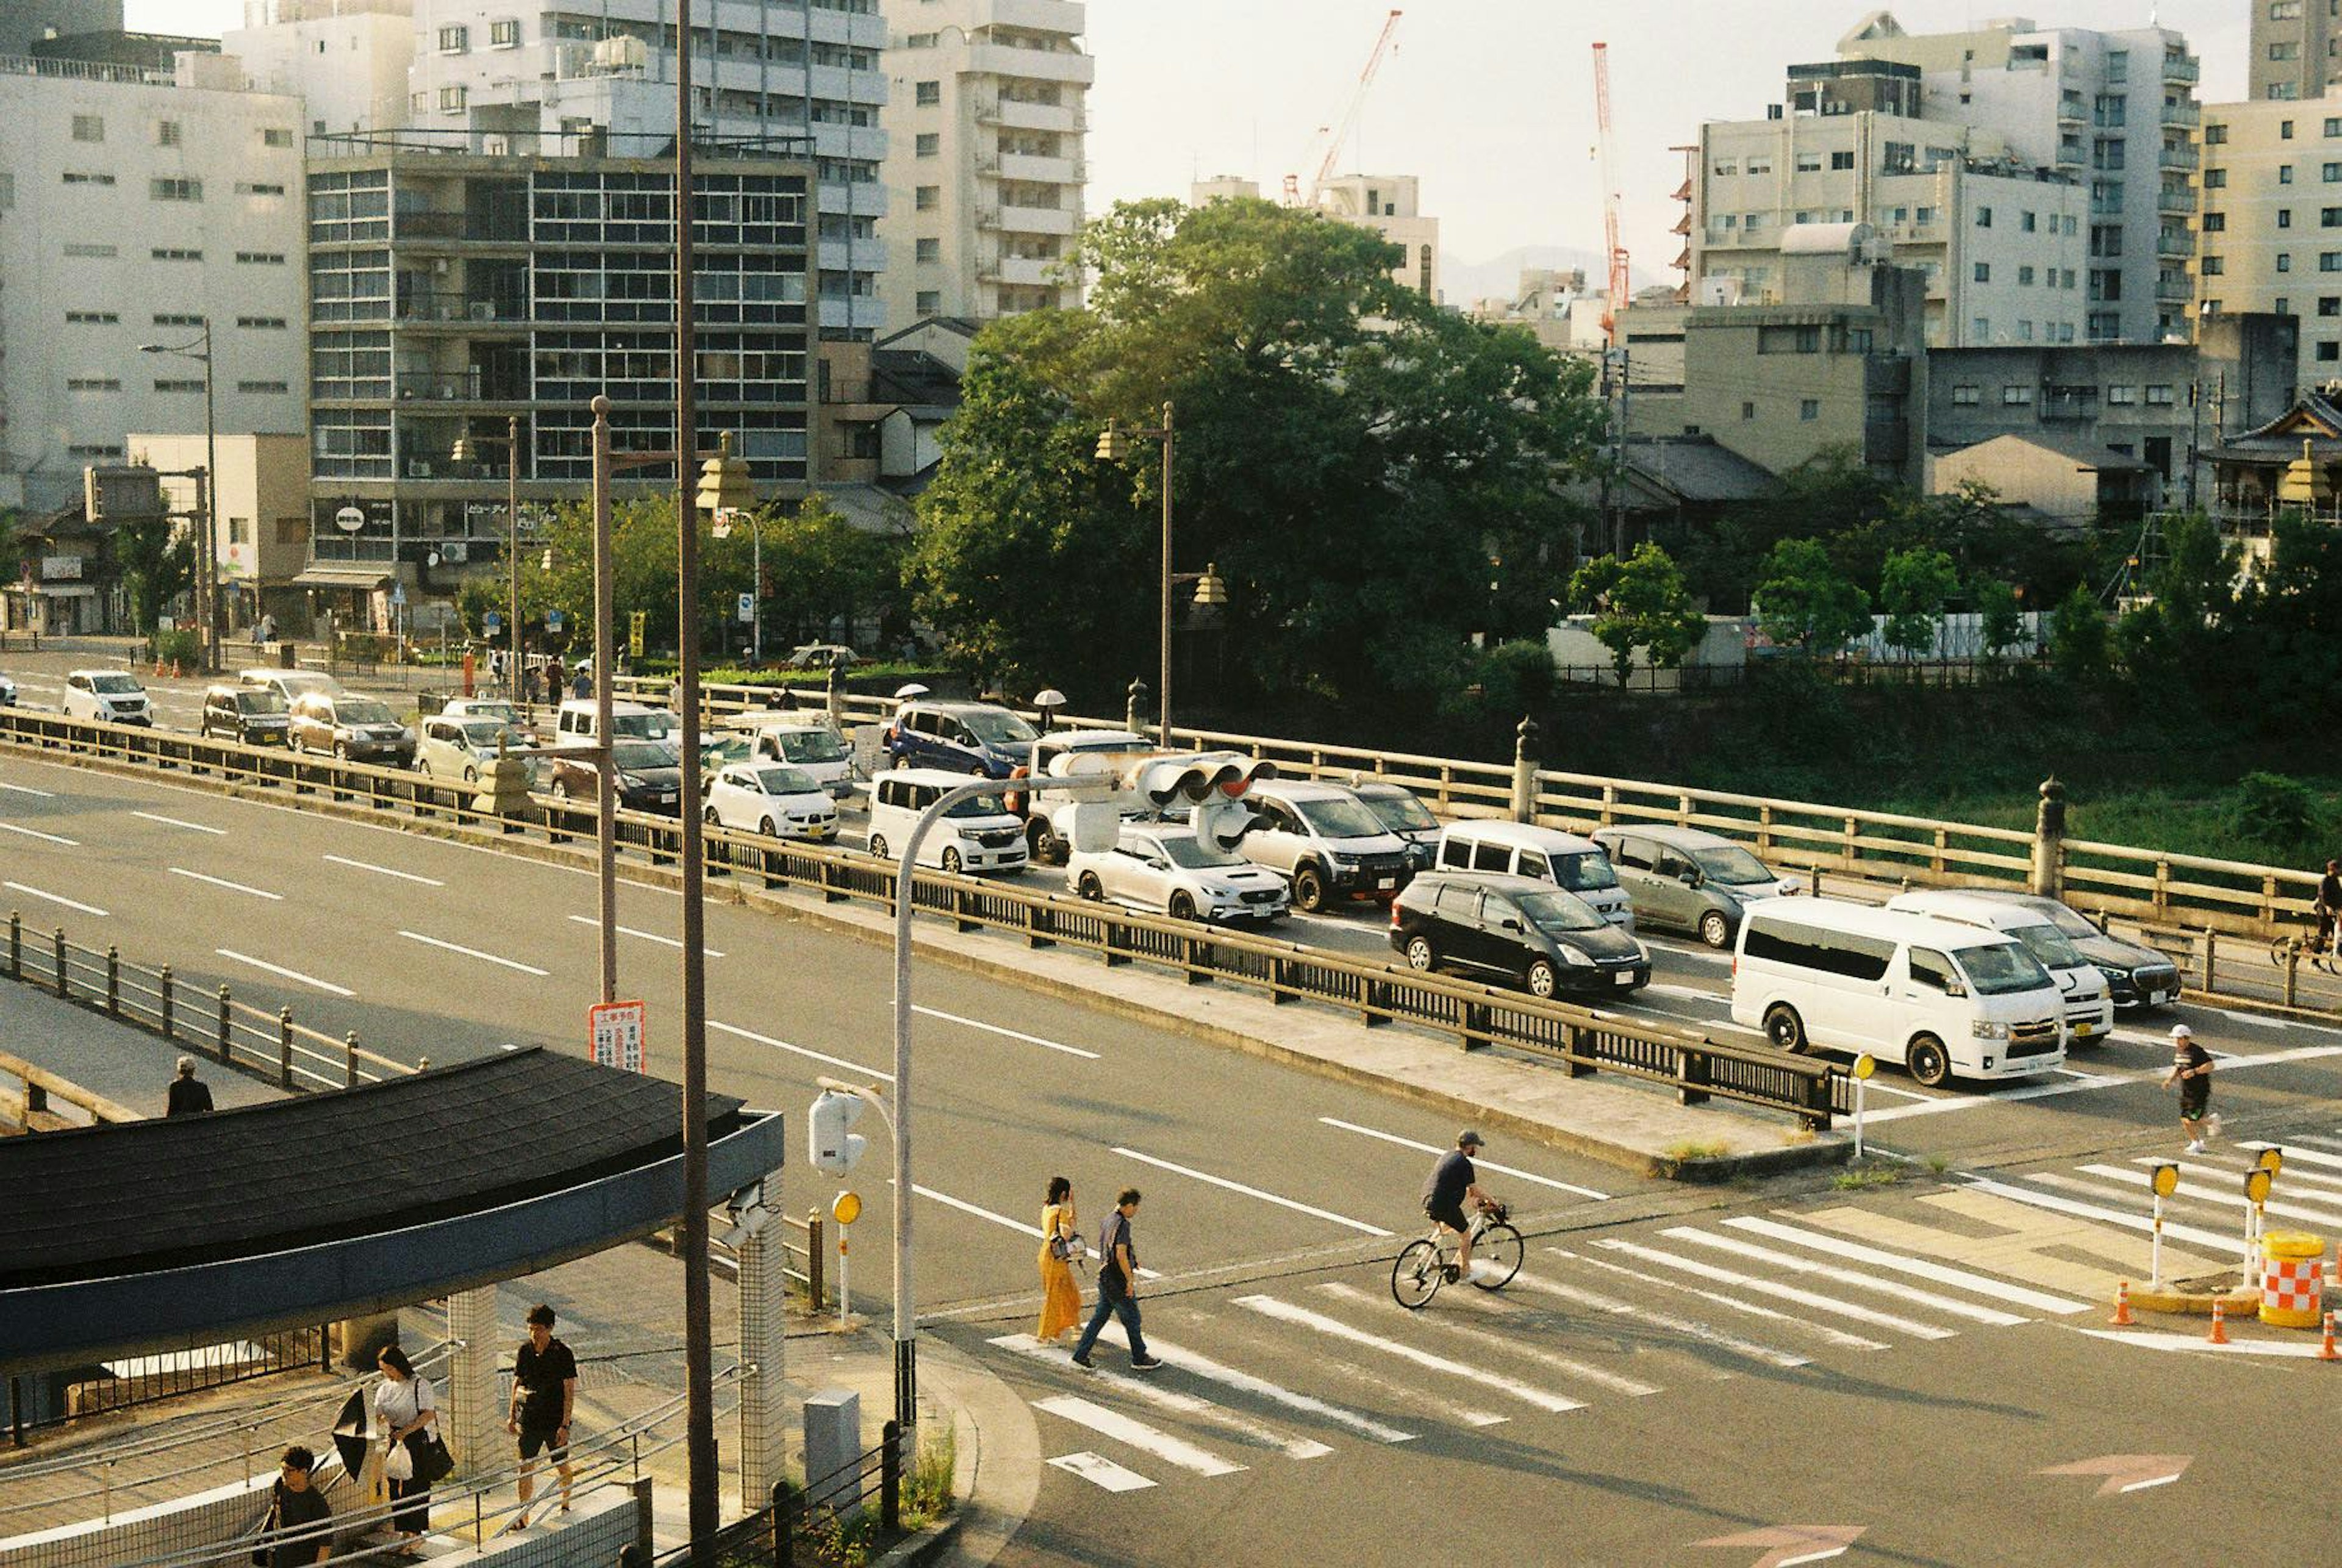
{"x": 1683, "y": 879}
{"x": 1159, "y": 866}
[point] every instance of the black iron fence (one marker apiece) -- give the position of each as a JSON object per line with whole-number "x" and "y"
{"x": 141, "y": 1380}
{"x": 853, "y": 1514}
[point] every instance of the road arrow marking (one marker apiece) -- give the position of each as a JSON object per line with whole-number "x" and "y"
{"x": 1794, "y": 1544}
{"x": 2126, "y": 1472}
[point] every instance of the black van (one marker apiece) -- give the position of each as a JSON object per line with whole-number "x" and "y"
{"x": 255, "y": 716}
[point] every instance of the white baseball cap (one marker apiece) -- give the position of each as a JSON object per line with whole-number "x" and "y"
{"x": 2181, "y": 1031}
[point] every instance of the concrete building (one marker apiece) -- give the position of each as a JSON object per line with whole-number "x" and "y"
{"x": 2273, "y": 219}
{"x": 1558, "y": 304}
{"x": 134, "y": 205}
{"x": 2065, "y": 484}
{"x": 454, "y": 288}
{"x": 764, "y": 69}
{"x": 1223, "y": 188}
{"x": 2295, "y": 49}
{"x": 346, "y": 59}
{"x": 987, "y": 118}
{"x": 1389, "y": 205}
{"x": 263, "y": 490}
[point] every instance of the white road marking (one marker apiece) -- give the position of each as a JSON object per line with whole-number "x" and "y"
{"x": 231, "y": 887}
{"x": 2219, "y": 1243}
{"x": 2158, "y": 1481}
{"x": 2293, "y": 1152}
{"x": 1503, "y": 1344}
{"x": 2198, "y": 1343}
{"x": 1998, "y": 1097}
{"x": 1993, "y": 1316}
{"x": 1920, "y": 1268}
{"x": 180, "y": 822}
{"x": 644, "y": 936}
{"x": 26, "y": 789}
{"x": 1200, "y": 1365}
{"x": 384, "y": 871}
{"x": 37, "y": 832}
{"x": 1011, "y": 1034}
{"x": 1140, "y": 1387}
{"x": 1804, "y": 1298}
{"x": 1252, "y": 1192}
{"x": 1688, "y": 993}
{"x": 1099, "y": 1471}
{"x": 2277, "y": 1058}
{"x": 1478, "y": 1163}
{"x": 807, "y": 1051}
{"x": 1138, "y": 1434}
{"x": 287, "y": 973}
{"x": 1836, "y": 1337}
{"x": 2190, "y": 1171}
{"x": 476, "y": 953}
{"x": 1688, "y": 1327}
{"x": 31, "y": 891}
{"x": 2254, "y": 1019}
{"x": 1335, "y": 1328}
{"x": 1019, "y": 1226}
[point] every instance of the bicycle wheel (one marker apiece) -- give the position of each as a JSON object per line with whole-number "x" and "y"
{"x": 2276, "y": 951}
{"x": 1499, "y": 1247}
{"x": 1416, "y": 1276}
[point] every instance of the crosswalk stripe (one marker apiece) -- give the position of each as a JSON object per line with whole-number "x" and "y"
{"x": 1335, "y": 1328}
{"x": 2236, "y": 1200}
{"x": 2298, "y": 1171}
{"x": 1137, "y": 1435}
{"x": 1099, "y": 1471}
{"x": 1992, "y": 1317}
{"x": 1155, "y": 1393}
{"x": 1835, "y": 1335}
{"x": 1191, "y": 1360}
{"x": 2293, "y": 1152}
{"x": 2055, "y": 1205}
{"x": 1503, "y": 1344}
{"x": 1688, "y": 1327}
{"x": 1813, "y": 1299}
{"x": 1919, "y": 1268}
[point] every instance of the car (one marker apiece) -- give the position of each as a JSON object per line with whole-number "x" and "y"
{"x": 979, "y": 833}
{"x": 650, "y": 775}
{"x": 820, "y": 656}
{"x": 1403, "y": 814}
{"x": 722, "y": 748}
{"x": 112, "y": 696}
{"x": 802, "y": 741}
{"x": 1048, "y": 820}
{"x": 460, "y": 747}
{"x": 481, "y": 708}
{"x": 7, "y": 693}
{"x": 574, "y": 722}
{"x": 290, "y": 684}
{"x": 354, "y": 727}
{"x": 1684, "y": 879}
{"x": 1577, "y": 865}
{"x": 771, "y": 798}
{"x": 1327, "y": 841}
{"x": 253, "y": 715}
{"x": 2089, "y": 1010}
{"x": 2135, "y": 975}
{"x": 1522, "y": 929}
{"x": 1166, "y": 867}
{"x": 979, "y": 738}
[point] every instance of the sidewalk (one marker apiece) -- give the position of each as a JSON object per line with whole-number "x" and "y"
{"x": 125, "y": 1064}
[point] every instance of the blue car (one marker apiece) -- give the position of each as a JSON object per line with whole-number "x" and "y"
{"x": 976, "y": 738}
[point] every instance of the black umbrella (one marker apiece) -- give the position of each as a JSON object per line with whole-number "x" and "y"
{"x": 350, "y": 1435}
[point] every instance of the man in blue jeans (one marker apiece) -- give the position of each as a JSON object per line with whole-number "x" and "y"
{"x": 1117, "y": 1285}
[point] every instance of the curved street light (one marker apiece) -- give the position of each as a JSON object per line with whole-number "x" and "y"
{"x": 199, "y": 349}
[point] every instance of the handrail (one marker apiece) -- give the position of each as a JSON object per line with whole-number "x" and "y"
{"x": 42, "y": 1085}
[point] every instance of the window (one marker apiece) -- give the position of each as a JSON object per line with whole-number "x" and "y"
{"x": 1967, "y": 395}
{"x": 2122, "y": 397}
{"x": 2284, "y": 264}
{"x": 2216, "y": 223}
{"x": 261, "y": 323}
{"x": 1984, "y": 272}
{"x": 239, "y": 530}
{"x": 1748, "y": 411}
{"x": 2024, "y": 276}
{"x": 2281, "y": 305}
{"x": 504, "y": 35}
{"x": 194, "y": 384}
{"x": 2216, "y": 179}
{"x": 176, "y": 319}
{"x": 454, "y": 40}
{"x": 1923, "y": 216}
{"x": 250, "y": 188}
{"x": 89, "y": 127}
{"x": 175, "y": 190}
{"x": 261, "y": 258}
{"x": 95, "y": 252}
{"x": 1809, "y": 162}
{"x": 1760, "y": 166}
{"x": 92, "y": 384}
{"x": 929, "y": 250}
{"x": 927, "y": 145}
{"x": 2284, "y": 217}
{"x": 2289, "y": 49}
{"x": 453, "y": 99}
{"x": 1984, "y": 217}
{"x": 2017, "y": 395}
{"x": 166, "y": 133}
{"x": 1932, "y": 969}
{"x": 72, "y": 178}
{"x": 2284, "y": 10}
{"x": 262, "y": 386}
{"x": 2329, "y": 305}
{"x": 1981, "y": 329}
{"x": 1842, "y": 160}
{"x": 2158, "y": 395}
{"x": 2329, "y": 351}
{"x": 928, "y": 302}
{"x": 2215, "y": 265}
{"x": 2214, "y": 133}
{"x": 2024, "y": 222}
{"x": 2329, "y": 261}
{"x": 2025, "y": 332}
{"x": 275, "y": 136}
{"x": 165, "y": 252}
{"x": 1809, "y": 409}
{"x": 927, "y": 95}
{"x": 926, "y": 198}
{"x": 2284, "y": 174}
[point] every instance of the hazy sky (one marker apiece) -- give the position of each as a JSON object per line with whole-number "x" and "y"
{"x": 1490, "y": 102}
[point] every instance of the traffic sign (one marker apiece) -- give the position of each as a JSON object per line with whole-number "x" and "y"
{"x": 747, "y": 608}
{"x": 616, "y": 1028}
{"x": 399, "y": 593}
{"x": 553, "y": 620}
{"x": 349, "y": 519}
{"x": 636, "y": 620}
{"x": 494, "y": 621}
{"x": 846, "y": 1208}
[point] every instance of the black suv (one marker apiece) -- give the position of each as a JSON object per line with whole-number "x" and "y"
{"x": 255, "y": 716}
{"x": 1528, "y": 932}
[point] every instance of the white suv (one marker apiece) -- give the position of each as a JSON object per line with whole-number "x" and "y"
{"x": 574, "y": 724}
{"x": 111, "y": 696}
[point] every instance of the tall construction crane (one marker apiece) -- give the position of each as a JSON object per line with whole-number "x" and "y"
{"x": 1612, "y": 249}
{"x": 1340, "y": 133}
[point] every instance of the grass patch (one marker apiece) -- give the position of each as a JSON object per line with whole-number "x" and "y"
{"x": 1690, "y": 1151}
{"x": 1854, "y": 1178}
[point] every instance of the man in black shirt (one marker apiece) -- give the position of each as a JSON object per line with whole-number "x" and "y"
{"x": 1452, "y": 1181}
{"x": 294, "y": 1506}
{"x": 188, "y": 1094}
{"x": 544, "y": 1399}
{"x": 2329, "y": 909}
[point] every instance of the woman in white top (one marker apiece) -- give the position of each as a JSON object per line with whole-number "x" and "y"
{"x": 406, "y": 1410}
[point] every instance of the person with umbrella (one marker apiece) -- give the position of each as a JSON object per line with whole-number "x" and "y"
{"x": 407, "y": 1408}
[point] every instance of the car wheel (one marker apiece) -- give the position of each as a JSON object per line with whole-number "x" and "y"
{"x": 1714, "y": 930}
{"x": 1929, "y": 1063}
{"x": 1543, "y": 978}
{"x": 902, "y": 760}
{"x": 1309, "y": 889}
{"x": 1089, "y": 888}
{"x": 1420, "y": 955}
{"x": 1784, "y": 1028}
{"x": 709, "y": 816}
{"x": 764, "y": 827}
{"x": 951, "y": 863}
{"x": 471, "y": 774}
{"x": 878, "y": 846}
{"x": 1182, "y": 907}
{"x": 561, "y": 790}
{"x": 1046, "y": 846}
{"x": 341, "y": 752}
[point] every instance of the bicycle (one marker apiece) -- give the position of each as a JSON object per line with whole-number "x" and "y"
{"x": 1425, "y": 1264}
{"x": 2318, "y": 946}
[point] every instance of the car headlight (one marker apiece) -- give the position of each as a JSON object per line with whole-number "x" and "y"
{"x": 1571, "y": 955}
{"x": 2116, "y": 976}
{"x": 630, "y": 781}
{"x": 1343, "y": 861}
{"x": 1982, "y": 1029}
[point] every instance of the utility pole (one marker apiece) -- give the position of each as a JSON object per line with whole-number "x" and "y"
{"x": 2195, "y": 435}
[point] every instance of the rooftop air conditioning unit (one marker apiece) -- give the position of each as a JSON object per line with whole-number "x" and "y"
{"x": 622, "y": 52}
{"x": 483, "y": 310}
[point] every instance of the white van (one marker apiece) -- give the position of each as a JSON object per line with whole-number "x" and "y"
{"x": 1945, "y": 999}
{"x": 2089, "y": 1006}
{"x": 1547, "y": 854}
{"x": 977, "y": 834}
{"x": 573, "y": 723}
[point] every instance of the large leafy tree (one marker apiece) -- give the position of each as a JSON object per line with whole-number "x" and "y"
{"x": 1803, "y": 600}
{"x": 1640, "y": 602}
{"x": 1348, "y": 457}
{"x": 1916, "y": 587}
{"x": 157, "y": 562}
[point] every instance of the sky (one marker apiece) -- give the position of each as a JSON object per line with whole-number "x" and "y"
{"x": 1490, "y": 103}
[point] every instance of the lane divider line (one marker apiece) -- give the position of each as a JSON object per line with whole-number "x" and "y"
{"x": 231, "y": 887}
{"x": 287, "y": 973}
{"x": 181, "y": 822}
{"x": 476, "y": 953}
{"x": 806, "y": 1052}
{"x": 32, "y": 891}
{"x": 384, "y": 871}
{"x": 37, "y": 832}
{"x": 644, "y": 936}
{"x": 1252, "y": 1192}
{"x": 27, "y": 789}
{"x": 1011, "y": 1034}
{"x": 1481, "y": 1165}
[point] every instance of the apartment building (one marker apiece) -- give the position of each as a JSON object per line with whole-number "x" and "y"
{"x": 984, "y": 168}
{"x": 346, "y": 59}
{"x": 136, "y": 206}
{"x": 761, "y": 69}
{"x": 263, "y": 499}
{"x": 2115, "y": 109}
{"x": 453, "y": 290}
{"x": 1390, "y": 204}
{"x": 2273, "y": 218}
{"x": 2295, "y": 49}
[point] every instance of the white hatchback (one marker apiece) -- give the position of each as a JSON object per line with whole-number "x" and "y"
{"x": 771, "y": 798}
{"x": 1157, "y": 866}
{"x": 111, "y": 696}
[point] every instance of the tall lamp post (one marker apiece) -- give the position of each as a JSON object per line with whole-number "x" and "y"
{"x": 725, "y": 520}
{"x": 207, "y": 577}
{"x": 467, "y": 450}
{"x": 1113, "y": 447}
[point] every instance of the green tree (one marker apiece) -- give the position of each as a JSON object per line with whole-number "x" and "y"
{"x": 2080, "y": 640}
{"x": 824, "y": 574}
{"x": 1640, "y": 602}
{"x": 1915, "y": 586}
{"x": 1804, "y": 599}
{"x": 2001, "y": 616}
{"x": 157, "y": 563}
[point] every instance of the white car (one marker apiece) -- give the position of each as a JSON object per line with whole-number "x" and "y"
{"x": 110, "y": 695}
{"x": 807, "y": 741}
{"x": 459, "y": 746}
{"x": 1161, "y": 866}
{"x": 290, "y": 684}
{"x": 481, "y": 708}
{"x": 771, "y": 798}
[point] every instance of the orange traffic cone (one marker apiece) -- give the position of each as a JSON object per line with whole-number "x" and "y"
{"x": 2326, "y": 1351}
{"x": 2122, "y": 1318}
{"x": 2219, "y": 1334}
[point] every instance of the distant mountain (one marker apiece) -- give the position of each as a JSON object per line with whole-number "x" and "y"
{"x": 1463, "y": 282}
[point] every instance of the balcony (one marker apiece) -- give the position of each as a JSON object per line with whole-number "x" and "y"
{"x": 2182, "y": 70}
{"x": 2180, "y": 245}
{"x": 473, "y": 385}
{"x": 429, "y": 307}
{"x": 1035, "y": 220}
{"x": 1061, "y": 65}
{"x": 2175, "y": 290}
{"x": 1039, "y": 170}
{"x": 2185, "y": 112}
{"x": 1066, "y": 119}
{"x": 2181, "y": 155}
{"x": 2175, "y": 200}
{"x": 2059, "y": 405}
{"x": 1029, "y": 272}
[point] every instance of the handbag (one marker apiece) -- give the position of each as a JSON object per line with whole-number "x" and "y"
{"x": 399, "y": 1464}
{"x": 1067, "y": 1247}
{"x": 434, "y": 1464}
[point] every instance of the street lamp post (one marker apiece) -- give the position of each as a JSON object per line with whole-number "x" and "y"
{"x": 722, "y": 530}
{"x": 1113, "y": 447}
{"x": 466, "y": 451}
{"x": 207, "y": 577}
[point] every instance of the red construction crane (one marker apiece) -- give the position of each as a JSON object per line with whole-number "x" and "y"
{"x": 1615, "y": 252}
{"x": 1340, "y": 133}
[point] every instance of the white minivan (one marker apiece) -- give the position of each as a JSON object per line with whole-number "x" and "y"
{"x": 980, "y": 833}
{"x": 1944, "y": 998}
{"x": 1520, "y": 849}
{"x": 2089, "y": 1006}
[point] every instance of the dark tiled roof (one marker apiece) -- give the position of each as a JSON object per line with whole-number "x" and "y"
{"x": 2311, "y": 407}
{"x": 99, "y": 1202}
{"x": 912, "y": 377}
{"x": 1697, "y": 469}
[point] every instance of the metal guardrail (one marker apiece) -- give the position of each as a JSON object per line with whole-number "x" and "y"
{"x": 1580, "y": 1040}
{"x": 773, "y": 1535}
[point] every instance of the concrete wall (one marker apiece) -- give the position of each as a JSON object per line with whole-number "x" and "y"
{"x": 350, "y": 70}
{"x": 211, "y": 1518}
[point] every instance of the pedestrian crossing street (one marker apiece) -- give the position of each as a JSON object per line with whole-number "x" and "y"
{"x": 1298, "y": 1371}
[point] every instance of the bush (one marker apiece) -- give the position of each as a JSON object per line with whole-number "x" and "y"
{"x": 2277, "y": 812}
{"x": 183, "y": 648}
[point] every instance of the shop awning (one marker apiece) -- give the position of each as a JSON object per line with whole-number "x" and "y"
{"x": 368, "y": 577}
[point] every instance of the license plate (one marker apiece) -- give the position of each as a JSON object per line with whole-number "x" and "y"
{"x": 2082, "y": 1029}
{"x": 2159, "y": 998}
{"x": 667, "y": 798}
{"x": 819, "y": 832}
{"x": 1625, "y": 977}
{"x": 1387, "y": 882}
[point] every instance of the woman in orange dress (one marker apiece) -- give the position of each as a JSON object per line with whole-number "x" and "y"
{"x": 1061, "y": 1296}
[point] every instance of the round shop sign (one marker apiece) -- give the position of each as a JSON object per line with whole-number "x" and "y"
{"x": 349, "y": 520}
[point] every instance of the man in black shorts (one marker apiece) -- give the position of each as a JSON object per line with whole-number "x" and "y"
{"x": 2191, "y": 1069}
{"x": 544, "y": 1399}
{"x": 1453, "y": 1180}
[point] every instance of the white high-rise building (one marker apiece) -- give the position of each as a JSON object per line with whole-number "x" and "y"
{"x": 134, "y": 206}
{"x": 984, "y": 160}
{"x": 346, "y": 59}
{"x": 1387, "y": 205}
{"x": 760, "y": 69}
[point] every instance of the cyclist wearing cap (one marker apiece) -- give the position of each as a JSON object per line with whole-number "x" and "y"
{"x": 1453, "y": 1180}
